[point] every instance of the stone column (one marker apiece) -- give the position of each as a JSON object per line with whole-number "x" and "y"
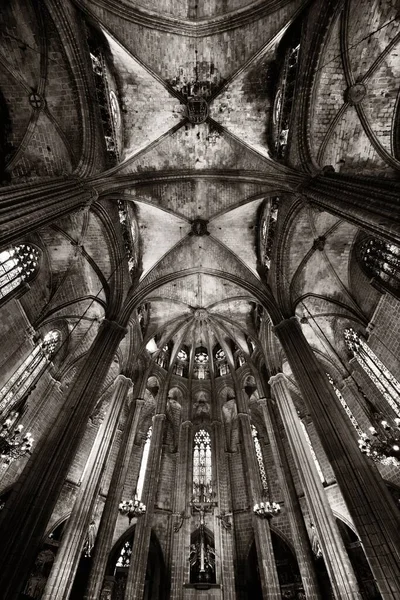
{"x": 266, "y": 560}
{"x": 373, "y": 511}
{"x": 109, "y": 516}
{"x": 298, "y": 528}
{"x": 224, "y": 507}
{"x": 181, "y": 531}
{"x": 31, "y": 503}
{"x": 61, "y": 579}
{"x": 370, "y": 203}
{"x": 141, "y": 542}
{"x": 343, "y": 580}
{"x": 28, "y": 206}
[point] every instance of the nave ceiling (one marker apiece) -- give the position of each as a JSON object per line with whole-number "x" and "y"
{"x": 198, "y": 207}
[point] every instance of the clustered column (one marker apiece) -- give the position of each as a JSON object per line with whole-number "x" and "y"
{"x": 109, "y": 515}
{"x": 266, "y": 560}
{"x": 32, "y": 501}
{"x": 180, "y": 531}
{"x": 373, "y": 511}
{"x": 63, "y": 572}
{"x": 141, "y": 542}
{"x": 343, "y": 580}
{"x": 300, "y": 538}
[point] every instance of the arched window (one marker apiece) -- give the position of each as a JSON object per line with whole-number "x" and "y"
{"x": 221, "y": 365}
{"x": 346, "y": 407}
{"x": 316, "y": 461}
{"x": 201, "y": 369}
{"x": 18, "y": 265}
{"x": 260, "y": 458}
{"x": 380, "y": 260}
{"x": 163, "y": 357}
{"x": 28, "y": 373}
{"x": 268, "y": 226}
{"x": 202, "y": 467}
{"x": 143, "y": 465}
{"x": 182, "y": 363}
{"x": 124, "y": 558}
{"x": 386, "y": 383}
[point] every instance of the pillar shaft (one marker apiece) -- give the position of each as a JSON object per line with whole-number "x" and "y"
{"x": 298, "y": 529}
{"x": 369, "y": 203}
{"x": 64, "y": 569}
{"x": 224, "y": 505}
{"x": 266, "y": 560}
{"x": 180, "y": 545}
{"x": 26, "y": 207}
{"x": 141, "y": 542}
{"x": 337, "y": 562}
{"x": 110, "y": 512}
{"x": 26, "y": 514}
{"x": 373, "y": 511}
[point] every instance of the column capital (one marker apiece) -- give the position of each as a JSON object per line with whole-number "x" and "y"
{"x": 113, "y": 325}
{"x": 121, "y": 377}
{"x": 159, "y": 417}
{"x": 186, "y": 424}
{"x": 285, "y": 322}
{"x": 276, "y": 378}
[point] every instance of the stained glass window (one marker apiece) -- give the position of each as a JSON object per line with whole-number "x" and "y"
{"x": 28, "y": 372}
{"x": 386, "y": 383}
{"x": 346, "y": 407}
{"x": 260, "y": 458}
{"x": 143, "y": 464}
{"x": 202, "y": 467}
{"x": 381, "y": 260}
{"x": 316, "y": 461}
{"x": 268, "y": 226}
{"x": 220, "y": 354}
{"x": 124, "y": 558}
{"x": 182, "y": 354}
{"x": 17, "y": 265}
{"x": 201, "y": 368}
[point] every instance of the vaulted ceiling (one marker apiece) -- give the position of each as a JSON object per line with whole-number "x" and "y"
{"x": 199, "y": 188}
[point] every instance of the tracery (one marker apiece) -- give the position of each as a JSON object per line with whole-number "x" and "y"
{"x": 28, "y": 373}
{"x": 202, "y": 467}
{"x": 17, "y": 266}
{"x": 383, "y": 379}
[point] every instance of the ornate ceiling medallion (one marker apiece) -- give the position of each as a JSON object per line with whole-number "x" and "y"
{"x": 200, "y": 314}
{"x": 199, "y": 227}
{"x": 197, "y": 110}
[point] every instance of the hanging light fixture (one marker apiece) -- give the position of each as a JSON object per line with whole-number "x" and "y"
{"x": 384, "y": 444}
{"x": 13, "y": 444}
{"x": 132, "y": 508}
{"x": 267, "y": 510}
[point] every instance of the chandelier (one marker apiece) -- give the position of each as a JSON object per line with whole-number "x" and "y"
{"x": 132, "y": 508}
{"x": 13, "y": 444}
{"x": 384, "y": 444}
{"x": 267, "y": 510}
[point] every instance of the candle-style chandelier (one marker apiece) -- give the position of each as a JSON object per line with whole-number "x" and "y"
{"x": 14, "y": 444}
{"x": 132, "y": 508}
{"x": 267, "y": 510}
{"x": 383, "y": 445}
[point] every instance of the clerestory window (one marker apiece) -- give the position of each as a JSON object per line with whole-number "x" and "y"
{"x": 22, "y": 380}
{"x": 383, "y": 379}
{"x": 143, "y": 464}
{"x": 18, "y": 265}
{"x": 260, "y": 458}
{"x": 202, "y": 467}
{"x": 381, "y": 260}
